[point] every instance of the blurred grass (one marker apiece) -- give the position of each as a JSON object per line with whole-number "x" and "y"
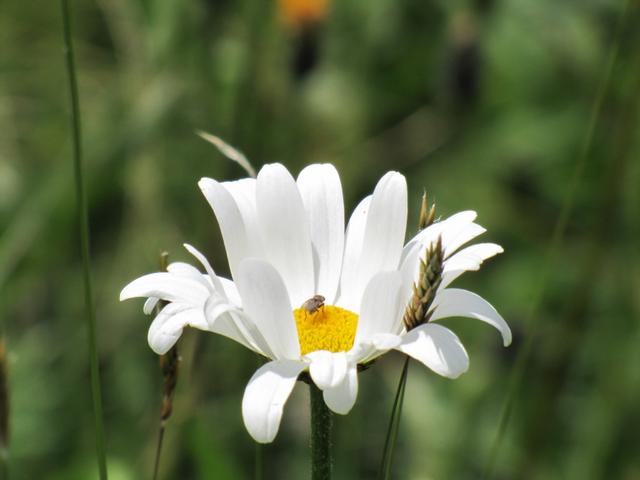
{"x": 482, "y": 102}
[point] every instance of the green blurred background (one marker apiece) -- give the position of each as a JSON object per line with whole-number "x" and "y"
{"x": 485, "y": 103}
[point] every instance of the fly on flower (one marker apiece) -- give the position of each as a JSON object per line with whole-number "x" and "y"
{"x": 285, "y": 240}
{"x": 313, "y": 304}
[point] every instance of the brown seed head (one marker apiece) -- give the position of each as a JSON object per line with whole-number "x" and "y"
{"x": 427, "y": 213}
{"x": 424, "y": 290}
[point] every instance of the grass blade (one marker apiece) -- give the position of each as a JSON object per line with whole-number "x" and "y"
{"x": 83, "y": 222}
{"x": 394, "y": 425}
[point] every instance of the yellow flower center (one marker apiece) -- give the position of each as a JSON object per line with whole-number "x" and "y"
{"x": 328, "y": 328}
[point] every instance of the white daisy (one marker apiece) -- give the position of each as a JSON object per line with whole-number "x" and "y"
{"x": 285, "y": 241}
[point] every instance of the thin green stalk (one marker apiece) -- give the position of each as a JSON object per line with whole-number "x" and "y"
{"x": 321, "y": 461}
{"x": 560, "y": 227}
{"x": 394, "y": 425}
{"x": 83, "y": 223}
{"x": 4, "y": 411}
{"x": 4, "y": 399}
{"x": 259, "y": 460}
{"x": 156, "y": 463}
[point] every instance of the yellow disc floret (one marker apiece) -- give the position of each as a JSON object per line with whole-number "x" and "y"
{"x": 328, "y": 328}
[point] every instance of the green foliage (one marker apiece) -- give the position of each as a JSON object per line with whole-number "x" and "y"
{"x": 484, "y": 103}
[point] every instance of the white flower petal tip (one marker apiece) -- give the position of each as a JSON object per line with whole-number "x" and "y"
{"x": 341, "y": 398}
{"x": 166, "y": 286}
{"x": 438, "y": 348}
{"x": 265, "y": 397}
{"x": 149, "y": 305}
{"x": 455, "y": 302}
{"x": 167, "y": 327}
{"x": 321, "y": 193}
{"x": 235, "y": 215}
{"x": 206, "y": 184}
{"x": 327, "y": 369}
{"x": 162, "y": 341}
{"x": 284, "y": 226}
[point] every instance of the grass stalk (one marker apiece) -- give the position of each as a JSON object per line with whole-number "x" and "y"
{"x": 394, "y": 425}
{"x": 83, "y": 223}
{"x": 156, "y": 463}
{"x": 557, "y": 237}
{"x": 4, "y": 409}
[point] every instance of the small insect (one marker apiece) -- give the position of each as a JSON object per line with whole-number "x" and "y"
{"x": 313, "y": 304}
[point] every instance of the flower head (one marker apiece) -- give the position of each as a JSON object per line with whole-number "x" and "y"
{"x": 310, "y": 296}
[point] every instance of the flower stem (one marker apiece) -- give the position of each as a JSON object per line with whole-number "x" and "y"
{"x": 84, "y": 239}
{"x": 320, "y": 436}
{"x": 259, "y": 460}
{"x": 394, "y": 425}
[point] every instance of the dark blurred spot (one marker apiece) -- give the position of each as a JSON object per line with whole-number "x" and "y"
{"x": 465, "y": 74}
{"x": 484, "y": 6}
{"x": 306, "y": 51}
{"x": 523, "y": 184}
{"x": 105, "y": 217}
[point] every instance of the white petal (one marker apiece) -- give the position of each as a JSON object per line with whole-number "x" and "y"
{"x": 385, "y": 230}
{"x": 243, "y": 192}
{"x": 150, "y": 304}
{"x": 342, "y": 397}
{"x": 454, "y": 302}
{"x": 285, "y": 231}
{"x": 215, "y": 307}
{"x": 447, "y": 228}
{"x": 321, "y": 193}
{"x": 464, "y": 235}
{"x": 385, "y": 341}
{"x": 226, "y": 320}
{"x": 455, "y": 231}
{"x": 185, "y": 270}
{"x": 168, "y": 325}
{"x": 169, "y": 287}
{"x": 354, "y": 239}
{"x": 380, "y": 306}
{"x": 438, "y": 348}
{"x": 265, "y": 300}
{"x": 231, "y": 291}
{"x": 207, "y": 266}
{"x": 327, "y": 369}
{"x": 236, "y": 236}
{"x": 469, "y": 258}
{"x": 265, "y": 396}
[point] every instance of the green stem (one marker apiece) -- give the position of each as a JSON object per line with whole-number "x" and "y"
{"x": 320, "y": 436}
{"x": 83, "y": 223}
{"x": 259, "y": 460}
{"x": 394, "y": 425}
{"x": 156, "y": 463}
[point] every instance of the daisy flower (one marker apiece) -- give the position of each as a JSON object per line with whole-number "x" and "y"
{"x": 312, "y": 297}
